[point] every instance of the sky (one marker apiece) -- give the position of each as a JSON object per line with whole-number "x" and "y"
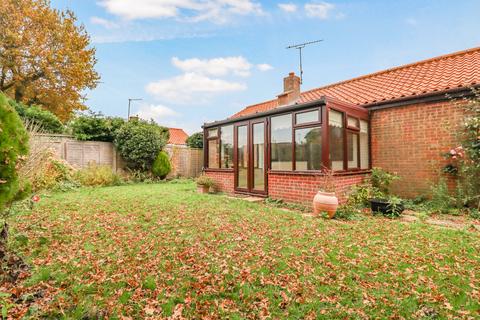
{"x": 196, "y": 61}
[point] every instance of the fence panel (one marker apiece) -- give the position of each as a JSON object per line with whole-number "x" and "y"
{"x": 186, "y": 162}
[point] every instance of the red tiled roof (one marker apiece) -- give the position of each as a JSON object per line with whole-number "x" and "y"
{"x": 455, "y": 70}
{"x": 177, "y": 136}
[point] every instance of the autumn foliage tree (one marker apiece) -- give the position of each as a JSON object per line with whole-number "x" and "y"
{"x": 45, "y": 57}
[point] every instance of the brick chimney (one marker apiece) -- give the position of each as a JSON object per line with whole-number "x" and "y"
{"x": 291, "y": 90}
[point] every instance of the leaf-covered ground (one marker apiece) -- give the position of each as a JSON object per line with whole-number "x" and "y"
{"x": 162, "y": 250}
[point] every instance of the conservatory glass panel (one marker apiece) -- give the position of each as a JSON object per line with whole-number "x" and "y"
{"x": 281, "y": 142}
{"x": 335, "y": 127}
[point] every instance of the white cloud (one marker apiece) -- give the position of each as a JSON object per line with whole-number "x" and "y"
{"x": 104, "y": 23}
{"x": 264, "y": 67}
{"x": 217, "y": 11}
{"x": 288, "y": 7}
{"x": 319, "y": 10}
{"x": 191, "y": 87}
{"x": 156, "y": 112}
{"x": 215, "y": 67}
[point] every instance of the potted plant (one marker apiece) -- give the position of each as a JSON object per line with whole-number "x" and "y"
{"x": 325, "y": 199}
{"x": 204, "y": 183}
{"x": 386, "y": 204}
{"x": 391, "y": 206}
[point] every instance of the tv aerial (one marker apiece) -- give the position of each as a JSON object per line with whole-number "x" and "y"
{"x": 300, "y": 46}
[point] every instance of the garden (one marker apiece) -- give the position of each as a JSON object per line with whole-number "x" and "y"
{"x": 164, "y": 250}
{"x": 92, "y": 244}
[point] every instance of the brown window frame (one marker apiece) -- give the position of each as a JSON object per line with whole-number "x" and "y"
{"x": 347, "y": 111}
{"x": 349, "y": 129}
{"x": 206, "y": 147}
{"x": 295, "y": 126}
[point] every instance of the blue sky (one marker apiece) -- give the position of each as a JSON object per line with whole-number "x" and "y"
{"x": 202, "y": 60}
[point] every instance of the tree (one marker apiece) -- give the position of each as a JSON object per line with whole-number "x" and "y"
{"x": 95, "y": 127}
{"x": 45, "y": 120}
{"x": 195, "y": 140}
{"x": 45, "y": 58}
{"x": 161, "y": 166}
{"x": 139, "y": 143}
{"x": 13, "y": 148}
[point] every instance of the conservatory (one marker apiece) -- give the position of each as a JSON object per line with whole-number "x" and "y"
{"x": 283, "y": 152}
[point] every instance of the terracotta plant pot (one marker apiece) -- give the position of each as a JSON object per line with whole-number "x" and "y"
{"x": 203, "y": 189}
{"x": 325, "y": 202}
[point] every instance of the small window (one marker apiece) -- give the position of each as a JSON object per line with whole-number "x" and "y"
{"x": 213, "y": 154}
{"x": 281, "y": 142}
{"x": 353, "y": 122}
{"x": 226, "y": 147}
{"x": 308, "y": 149}
{"x": 352, "y": 149}
{"x": 307, "y": 117}
{"x": 212, "y": 133}
{"x": 364, "y": 145}
{"x": 336, "y": 128}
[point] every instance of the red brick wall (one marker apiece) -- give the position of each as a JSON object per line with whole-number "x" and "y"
{"x": 297, "y": 188}
{"x": 301, "y": 188}
{"x": 224, "y": 180}
{"x": 410, "y": 141}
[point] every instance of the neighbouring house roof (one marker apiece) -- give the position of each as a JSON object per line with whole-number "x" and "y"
{"x": 456, "y": 70}
{"x": 177, "y": 136}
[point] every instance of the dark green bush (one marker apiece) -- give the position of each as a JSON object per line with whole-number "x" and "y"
{"x": 161, "y": 166}
{"x": 13, "y": 148}
{"x": 139, "y": 143}
{"x": 45, "y": 120}
{"x": 195, "y": 140}
{"x": 95, "y": 127}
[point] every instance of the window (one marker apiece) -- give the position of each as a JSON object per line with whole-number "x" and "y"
{"x": 352, "y": 150}
{"x": 226, "y": 147}
{"x": 213, "y": 154}
{"x": 364, "y": 145}
{"x": 258, "y": 140}
{"x": 307, "y": 117}
{"x": 212, "y": 133}
{"x": 242, "y": 156}
{"x": 281, "y": 142}
{"x": 336, "y": 128}
{"x": 353, "y": 122}
{"x": 308, "y": 149}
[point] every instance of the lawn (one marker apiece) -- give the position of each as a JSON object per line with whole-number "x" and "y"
{"x": 163, "y": 250}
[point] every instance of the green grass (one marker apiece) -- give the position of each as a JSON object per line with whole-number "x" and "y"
{"x": 162, "y": 249}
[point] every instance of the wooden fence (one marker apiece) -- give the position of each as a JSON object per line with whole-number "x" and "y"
{"x": 186, "y": 162}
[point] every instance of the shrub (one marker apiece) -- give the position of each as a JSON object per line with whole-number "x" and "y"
{"x": 44, "y": 119}
{"x": 465, "y": 158}
{"x": 195, "y": 140}
{"x": 139, "y": 143}
{"x": 203, "y": 180}
{"x": 95, "y": 127}
{"x": 95, "y": 175}
{"x": 441, "y": 200}
{"x": 13, "y": 149}
{"x": 360, "y": 195}
{"x": 51, "y": 173}
{"x": 161, "y": 166}
{"x": 382, "y": 180}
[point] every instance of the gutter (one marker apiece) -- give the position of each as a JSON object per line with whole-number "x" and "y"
{"x": 425, "y": 98}
{"x": 278, "y": 110}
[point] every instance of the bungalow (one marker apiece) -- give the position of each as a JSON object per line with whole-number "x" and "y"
{"x": 400, "y": 119}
